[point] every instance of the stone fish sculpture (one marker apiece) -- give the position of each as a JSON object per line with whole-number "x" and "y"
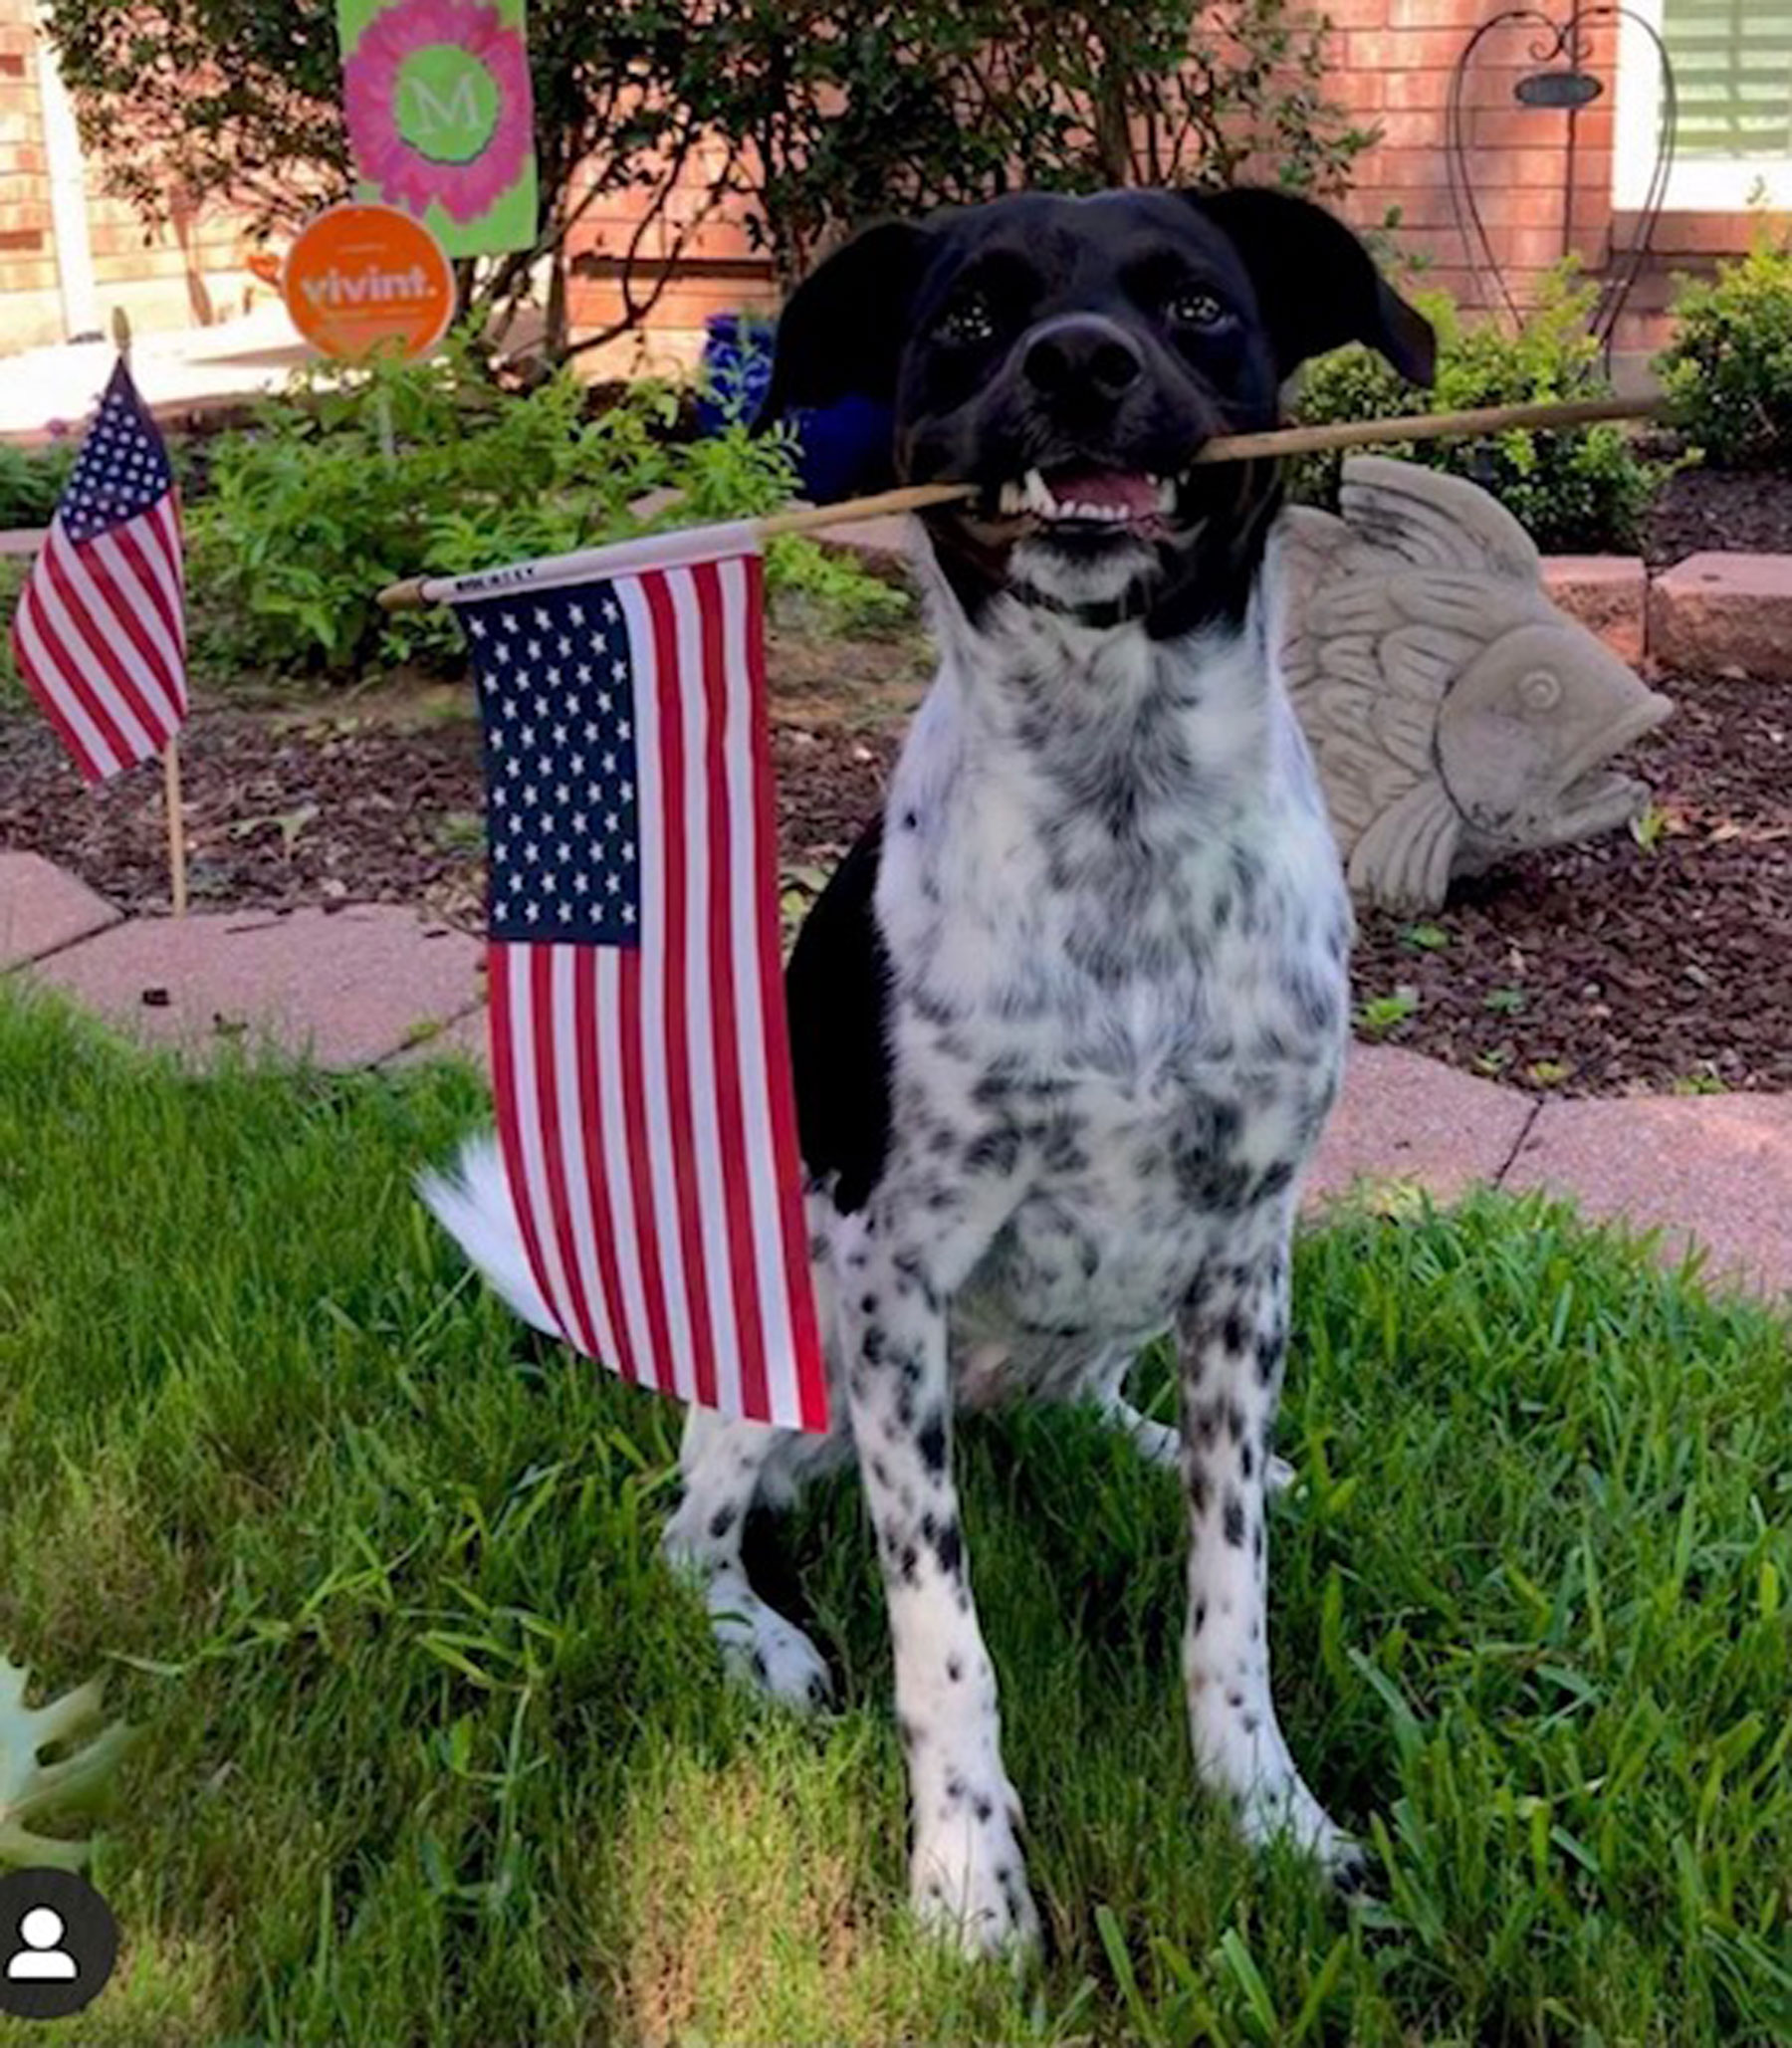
{"x": 1458, "y": 716}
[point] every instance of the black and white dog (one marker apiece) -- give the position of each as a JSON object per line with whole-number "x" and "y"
{"x": 1066, "y": 1024}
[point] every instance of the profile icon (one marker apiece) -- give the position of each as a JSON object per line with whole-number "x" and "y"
{"x": 42, "y": 1960}
{"x": 58, "y": 1944}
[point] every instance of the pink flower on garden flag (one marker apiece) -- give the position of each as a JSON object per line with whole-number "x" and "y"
{"x": 493, "y": 64}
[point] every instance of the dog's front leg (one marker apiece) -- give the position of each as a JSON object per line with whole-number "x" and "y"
{"x": 1231, "y": 1337}
{"x": 968, "y": 1880}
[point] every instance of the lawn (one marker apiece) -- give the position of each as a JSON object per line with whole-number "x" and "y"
{"x": 433, "y": 1751}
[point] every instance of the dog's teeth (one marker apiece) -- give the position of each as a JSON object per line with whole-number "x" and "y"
{"x": 1039, "y": 498}
{"x": 1012, "y": 499}
{"x": 1166, "y": 491}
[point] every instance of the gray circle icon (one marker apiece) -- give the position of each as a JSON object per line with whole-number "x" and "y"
{"x": 58, "y": 1944}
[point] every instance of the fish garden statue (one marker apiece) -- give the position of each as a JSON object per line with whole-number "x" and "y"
{"x": 1458, "y": 716}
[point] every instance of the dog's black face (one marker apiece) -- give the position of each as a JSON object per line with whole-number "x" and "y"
{"x": 1069, "y": 357}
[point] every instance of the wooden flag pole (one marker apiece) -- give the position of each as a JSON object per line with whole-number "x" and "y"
{"x": 176, "y": 819}
{"x": 417, "y": 592}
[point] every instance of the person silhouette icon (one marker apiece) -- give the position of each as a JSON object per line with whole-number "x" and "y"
{"x": 43, "y": 1959}
{"x": 58, "y": 1943}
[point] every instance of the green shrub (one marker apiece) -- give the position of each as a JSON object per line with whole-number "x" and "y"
{"x": 1581, "y": 492}
{"x": 1728, "y": 369}
{"x": 14, "y": 569}
{"x": 31, "y": 481}
{"x": 305, "y": 516}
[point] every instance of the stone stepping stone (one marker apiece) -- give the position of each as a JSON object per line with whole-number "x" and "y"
{"x": 345, "y": 988}
{"x": 42, "y": 909}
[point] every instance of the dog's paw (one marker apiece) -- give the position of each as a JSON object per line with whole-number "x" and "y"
{"x": 1283, "y": 1810}
{"x": 775, "y": 1657}
{"x": 968, "y": 1886}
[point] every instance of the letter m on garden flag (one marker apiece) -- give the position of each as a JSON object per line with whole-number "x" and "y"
{"x": 640, "y": 1055}
{"x": 99, "y": 635}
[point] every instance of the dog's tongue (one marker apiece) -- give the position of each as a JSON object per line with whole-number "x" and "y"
{"x": 1106, "y": 489}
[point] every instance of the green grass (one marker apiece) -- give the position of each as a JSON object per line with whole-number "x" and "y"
{"x": 432, "y": 1750}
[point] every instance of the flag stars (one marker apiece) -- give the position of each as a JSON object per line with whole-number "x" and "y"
{"x": 563, "y": 752}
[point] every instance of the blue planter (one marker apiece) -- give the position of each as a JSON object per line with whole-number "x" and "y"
{"x": 844, "y": 447}
{"x": 735, "y": 370}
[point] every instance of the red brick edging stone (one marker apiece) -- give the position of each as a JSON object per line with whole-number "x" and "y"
{"x": 376, "y": 983}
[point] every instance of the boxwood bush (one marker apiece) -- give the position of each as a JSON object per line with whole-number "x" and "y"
{"x": 1579, "y": 492}
{"x": 1728, "y": 369}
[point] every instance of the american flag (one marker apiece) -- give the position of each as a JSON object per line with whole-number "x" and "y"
{"x": 99, "y": 635}
{"x": 640, "y": 1055}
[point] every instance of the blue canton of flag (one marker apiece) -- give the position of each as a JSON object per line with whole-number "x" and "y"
{"x": 559, "y": 724}
{"x": 101, "y": 629}
{"x": 122, "y": 468}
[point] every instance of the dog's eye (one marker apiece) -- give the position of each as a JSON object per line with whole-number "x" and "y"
{"x": 970, "y": 320}
{"x": 1195, "y": 309}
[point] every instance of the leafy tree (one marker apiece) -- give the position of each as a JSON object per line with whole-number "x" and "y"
{"x": 240, "y": 103}
{"x": 838, "y": 112}
{"x": 828, "y": 111}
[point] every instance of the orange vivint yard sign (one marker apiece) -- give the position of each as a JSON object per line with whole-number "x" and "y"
{"x": 366, "y": 280}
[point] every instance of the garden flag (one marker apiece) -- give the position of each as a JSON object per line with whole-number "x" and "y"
{"x": 99, "y": 635}
{"x": 441, "y": 117}
{"x": 640, "y": 1055}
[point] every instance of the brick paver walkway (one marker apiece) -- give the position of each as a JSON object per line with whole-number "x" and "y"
{"x": 377, "y": 984}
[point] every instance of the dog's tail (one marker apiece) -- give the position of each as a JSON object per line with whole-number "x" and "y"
{"x": 473, "y": 1204}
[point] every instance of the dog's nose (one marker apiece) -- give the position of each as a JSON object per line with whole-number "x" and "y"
{"x": 1082, "y": 356}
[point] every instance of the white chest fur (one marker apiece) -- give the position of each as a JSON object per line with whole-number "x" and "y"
{"x": 1117, "y": 931}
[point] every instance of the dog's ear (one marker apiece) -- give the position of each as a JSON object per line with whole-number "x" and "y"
{"x": 842, "y": 330}
{"x": 1317, "y": 285}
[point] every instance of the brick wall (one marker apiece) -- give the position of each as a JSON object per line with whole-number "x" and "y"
{"x": 27, "y": 261}
{"x": 1392, "y": 65}
{"x": 182, "y": 269}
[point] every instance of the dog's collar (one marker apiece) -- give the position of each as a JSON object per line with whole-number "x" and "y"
{"x": 1100, "y": 618}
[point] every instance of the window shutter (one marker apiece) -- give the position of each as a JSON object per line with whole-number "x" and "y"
{"x": 1732, "y": 62}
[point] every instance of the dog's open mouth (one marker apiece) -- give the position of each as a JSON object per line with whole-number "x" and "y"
{"x": 1090, "y": 501}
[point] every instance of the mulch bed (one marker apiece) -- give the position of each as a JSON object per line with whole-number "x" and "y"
{"x": 1701, "y": 509}
{"x": 1594, "y": 970}
{"x": 283, "y": 811}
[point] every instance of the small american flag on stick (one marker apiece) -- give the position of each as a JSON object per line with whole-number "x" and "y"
{"x": 640, "y": 1055}
{"x": 99, "y": 635}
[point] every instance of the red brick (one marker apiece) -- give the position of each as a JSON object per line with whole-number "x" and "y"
{"x": 1722, "y": 612}
{"x": 1456, "y": 15}
{"x": 1394, "y": 48}
{"x": 1608, "y": 594}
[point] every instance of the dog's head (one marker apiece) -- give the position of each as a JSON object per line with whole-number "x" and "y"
{"x": 1068, "y": 358}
